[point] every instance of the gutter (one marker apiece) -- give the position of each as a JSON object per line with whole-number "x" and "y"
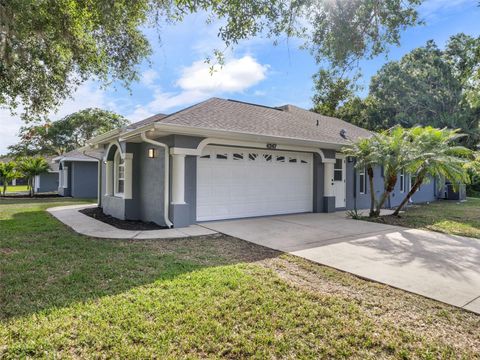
{"x": 166, "y": 185}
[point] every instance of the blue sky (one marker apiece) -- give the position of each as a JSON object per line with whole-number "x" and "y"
{"x": 255, "y": 71}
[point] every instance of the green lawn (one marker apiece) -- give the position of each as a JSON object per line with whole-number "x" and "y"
{"x": 450, "y": 217}
{"x": 63, "y": 295}
{"x": 16, "y": 188}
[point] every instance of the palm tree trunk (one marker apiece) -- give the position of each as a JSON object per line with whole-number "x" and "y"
{"x": 372, "y": 192}
{"x": 4, "y": 188}
{"x": 412, "y": 191}
{"x": 30, "y": 183}
{"x": 392, "y": 180}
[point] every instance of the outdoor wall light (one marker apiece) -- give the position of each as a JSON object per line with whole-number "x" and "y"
{"x": 151, "y": 153}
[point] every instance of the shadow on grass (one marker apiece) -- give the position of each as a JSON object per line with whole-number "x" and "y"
{"x": 45, "y": 265}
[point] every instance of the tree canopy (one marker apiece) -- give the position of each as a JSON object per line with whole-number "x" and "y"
{"x": 64, "y": 135}
{"x": 428, "y": 86}
{"x": 47, "y": 48}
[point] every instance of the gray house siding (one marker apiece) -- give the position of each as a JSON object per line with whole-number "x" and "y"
{"x": 318, "y": 179}
{"x": 427, "y": 192}
{"x": 84, "y": 179}
{"x": 48, "y": 182}
{"x": 147, "y": 203}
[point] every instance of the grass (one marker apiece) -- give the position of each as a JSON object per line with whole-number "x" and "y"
{"x": 16, "y": 188}
{"x": 450, "y": 217}
{"x": 63, "y": 295}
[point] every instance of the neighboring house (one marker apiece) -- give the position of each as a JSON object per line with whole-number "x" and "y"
{"x": 78, "y": 173}
{"x": 48, "y": 182}
{"x": 223, "y": 159}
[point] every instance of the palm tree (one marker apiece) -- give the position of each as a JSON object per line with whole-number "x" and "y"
{"x": 31, "y": 167}
{"x": 394, "y": 147}
{"x": 434, "y": 154}
{"x": 365, "y": 151}
{"x": 7, "y": 173}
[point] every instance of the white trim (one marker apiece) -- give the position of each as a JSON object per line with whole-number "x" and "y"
{"x": 402, "y": 181}
{"x": 363, "y": 190}
{"x": 178, "y": 179}
{"x": 117, "y": 144}
{"x": 77, "y": 159}
{"x": 118, "y": 162}
{"x": 246, "y": 144}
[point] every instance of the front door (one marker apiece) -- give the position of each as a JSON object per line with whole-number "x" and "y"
{"x": 339, "y": 182}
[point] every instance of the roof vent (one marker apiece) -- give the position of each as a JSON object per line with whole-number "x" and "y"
{"x": 343, "y": 133}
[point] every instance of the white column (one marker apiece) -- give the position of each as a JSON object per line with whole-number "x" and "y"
{"x": 328, "y": 171}
{"x": 109, "y": 178}
{"x": 127, "y": 162}
{"x": 178, "y": 179}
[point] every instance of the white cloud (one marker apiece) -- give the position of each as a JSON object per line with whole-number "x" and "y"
{"x": 431, "y": 7}
{"x": 87, "y": 95}
{"x": 148, "y": 77}
{"x": 197, "y": 83}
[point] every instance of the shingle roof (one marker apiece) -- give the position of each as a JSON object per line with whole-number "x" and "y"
{"x": 286, "y": 121}
{"x": 147, "y": 121}
{"x": 79, "y": 155}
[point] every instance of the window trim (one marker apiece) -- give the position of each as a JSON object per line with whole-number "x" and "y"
{"x": 118, "y": 163}
{"x": 363, "y": 173}
{"x": 402, "y": 181}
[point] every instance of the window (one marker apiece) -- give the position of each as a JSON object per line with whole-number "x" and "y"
{"x": 413, "y": 179}
{"x": 280, "y": 158}
{"x": 292, "y": 160}
{"x": 119, "y": 166}
{"x": 205, "y": 157}
{"x": 237, "y": 156}
{"x": 267, "y": 157}
{"x": 338, "y": 170}
{"x": 402, "y": 181}
{"x": 252, "y": 156}
{"x": 362, "y": 181}
{"x": 222, "y": 156}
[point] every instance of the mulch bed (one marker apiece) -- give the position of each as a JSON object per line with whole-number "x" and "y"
{"x": 97, "y": 214}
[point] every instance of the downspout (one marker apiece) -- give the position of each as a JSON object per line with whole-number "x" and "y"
{"x": 166, "y": 182}
{"x": 99, "y": 178}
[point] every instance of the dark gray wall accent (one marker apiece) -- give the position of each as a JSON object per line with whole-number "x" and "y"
{"x": 150, "y": 179}
{"x": 48, "y": 182}
{"x": 317, "y": 183}
{"x": 84, "y": 175}
{"x": 329, "y": 154}
{"x": 329, "y": 204}
{"x": 182, "y": 141}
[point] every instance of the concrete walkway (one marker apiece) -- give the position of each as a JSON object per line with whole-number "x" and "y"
{"x": 86, "y": 225}
{"x": 438, "y": 266}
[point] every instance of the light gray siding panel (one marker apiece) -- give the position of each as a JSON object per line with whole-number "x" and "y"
{"x": 48, "y": 182}
{"x": 84, "y": 179}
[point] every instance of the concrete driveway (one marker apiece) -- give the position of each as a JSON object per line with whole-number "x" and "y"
{"x": 441, "y": 267}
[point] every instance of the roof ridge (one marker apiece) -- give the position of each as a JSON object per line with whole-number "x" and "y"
{"x": 253, "y": 104}
{"x": 188, "y": 108}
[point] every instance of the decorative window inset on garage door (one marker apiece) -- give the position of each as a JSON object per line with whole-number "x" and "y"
{"x": 280, "y": 158}
{"x": 252, "y": 156}
{"x": 338, "y": 170}
{"x": 237, "y": 156}
{"x": 267, "y": 157}
{"x": 222, "y": 156}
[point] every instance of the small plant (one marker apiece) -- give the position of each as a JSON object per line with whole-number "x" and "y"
{"x": 354, "y": 214}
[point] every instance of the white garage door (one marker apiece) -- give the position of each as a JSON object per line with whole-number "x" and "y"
{"x": 235, "y": 183}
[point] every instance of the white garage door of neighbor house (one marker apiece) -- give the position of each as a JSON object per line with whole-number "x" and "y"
{"x": 239, "y": 182}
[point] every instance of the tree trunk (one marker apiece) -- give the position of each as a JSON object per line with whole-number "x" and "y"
{"x": 392, "y": 180}
{"x": 372, "y": 192}
{"x": 30, "y": 183}
{"x": 412, "y": 191}
{"x": 4, "y": 188}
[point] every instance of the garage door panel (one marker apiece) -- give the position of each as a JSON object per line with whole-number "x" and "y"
{"x": 252, "y": 182}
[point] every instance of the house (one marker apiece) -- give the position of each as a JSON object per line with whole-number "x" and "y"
{"x": 48, "y": 181}
{"x": 78, "y": 173}
{"x": 223, "y": 159}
